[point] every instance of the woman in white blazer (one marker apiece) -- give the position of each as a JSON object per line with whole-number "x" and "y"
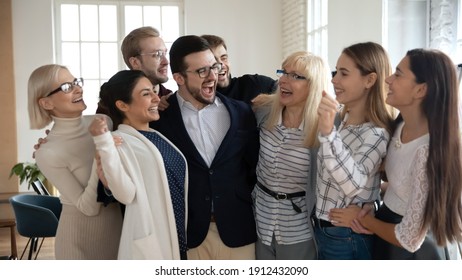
{"x": 146, "y": 172}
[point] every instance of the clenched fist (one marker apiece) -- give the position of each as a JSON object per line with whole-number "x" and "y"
{"x": 98, "y": 126}
{"x": 327, "y": 110}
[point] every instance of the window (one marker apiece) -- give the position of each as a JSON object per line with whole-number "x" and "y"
{"x": 317, "y": 27}
{"x": 459, "y": 35}
{"x": 89, "y": 35}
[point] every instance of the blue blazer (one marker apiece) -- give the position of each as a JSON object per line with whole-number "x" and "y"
{"x": 228, "y": 182}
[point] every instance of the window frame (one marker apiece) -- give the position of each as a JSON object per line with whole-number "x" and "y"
{"x": 317, "y": 27}
{"x": 121, "y": 33}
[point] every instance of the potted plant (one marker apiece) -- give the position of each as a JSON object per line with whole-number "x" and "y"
{"x": 29, "y": 172}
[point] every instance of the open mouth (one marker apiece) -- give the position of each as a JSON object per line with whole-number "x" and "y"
{"x": 285, "y": 92}
{"x": 222, "y": 75}
{"x": 338, "y": 91}
{"x": 153, "y": 109}
{"x": 77, "y": 100}
{"x": 208, "y": 90}
{"x": 163, "y": 71}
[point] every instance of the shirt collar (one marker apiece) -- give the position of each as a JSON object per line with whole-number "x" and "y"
{"x": 300, "y": 127}
{"x": 182, "y": 102}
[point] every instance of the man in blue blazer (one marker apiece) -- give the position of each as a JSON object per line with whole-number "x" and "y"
{"x": 219, "y": 138}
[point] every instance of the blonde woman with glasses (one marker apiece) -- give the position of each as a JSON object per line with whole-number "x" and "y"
{"x": 86, "y": 229}
{"x": 284, "y": 195}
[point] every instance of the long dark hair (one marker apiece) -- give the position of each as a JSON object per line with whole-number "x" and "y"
{"x": 443, "y": 211}
{"x": 119, "y": 87}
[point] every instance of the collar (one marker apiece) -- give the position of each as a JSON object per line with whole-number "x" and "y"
{"x": 300, "y": 127}
{"x": 183, "y": 103}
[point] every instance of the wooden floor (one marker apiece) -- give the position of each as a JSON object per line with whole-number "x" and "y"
{"x": 46, "y": 253}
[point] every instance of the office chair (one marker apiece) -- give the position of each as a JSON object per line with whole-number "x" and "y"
{"x": 37, "y": 217}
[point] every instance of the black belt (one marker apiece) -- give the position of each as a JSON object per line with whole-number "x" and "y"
{"x": 282, "y": 196}
{"x": 322, "y": 223}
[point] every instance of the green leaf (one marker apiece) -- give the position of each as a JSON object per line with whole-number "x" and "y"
{"x": 17, "y": 169}
{"x": 27, "y": 172}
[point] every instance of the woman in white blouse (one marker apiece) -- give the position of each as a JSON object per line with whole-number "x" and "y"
{"x": 423, "y": 164}
{"x": 351, "y": 154}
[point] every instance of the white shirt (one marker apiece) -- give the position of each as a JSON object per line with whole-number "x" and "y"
{"x": 407, "y": 190}
{"x": 206, "y": 127}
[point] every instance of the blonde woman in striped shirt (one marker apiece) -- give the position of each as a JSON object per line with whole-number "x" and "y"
{"x": 284, "y": 194}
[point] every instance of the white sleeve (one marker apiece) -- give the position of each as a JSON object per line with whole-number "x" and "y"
{"x": 119, "y": 182}
{"x": 408, "y": 231}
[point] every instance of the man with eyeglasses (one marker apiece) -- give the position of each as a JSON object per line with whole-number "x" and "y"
{"x": 219, "y": 138}
{"x": 245, "y": 87}
{"x": 143, "y": 49}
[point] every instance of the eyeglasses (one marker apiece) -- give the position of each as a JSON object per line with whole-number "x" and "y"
{"x": 205, "y": 71}
{"x": 159, "y": 54}
{"x": 68, "y": 86}
{"x": 291, "y": 76}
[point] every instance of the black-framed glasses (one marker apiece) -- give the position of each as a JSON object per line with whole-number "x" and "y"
{"x": 205, "y": 71}
{"x": 291, "y": 76}
{"x": 159, "y": 54}
{"x": 68, "y": 86}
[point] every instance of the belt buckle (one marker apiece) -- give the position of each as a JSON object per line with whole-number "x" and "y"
{"x": 280, "y": 196}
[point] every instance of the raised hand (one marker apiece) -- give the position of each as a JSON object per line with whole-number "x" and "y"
{"x": 98, "y": 126}
{"x": 163, "y": 104}
{"x": 327, "y": 110}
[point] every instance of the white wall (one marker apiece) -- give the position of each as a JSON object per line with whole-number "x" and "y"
{"x": 351, "y": 22}
{"x": 407, "y": 27}
{"x": 398, "y": 25}
{"x": 251, "y": 29}
{"x": 33, "y": 47}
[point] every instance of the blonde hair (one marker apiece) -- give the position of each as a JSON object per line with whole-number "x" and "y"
{"x": 40, "y": 84}
{"x": 131, "y": 43}
{"x": 317, "y": 74}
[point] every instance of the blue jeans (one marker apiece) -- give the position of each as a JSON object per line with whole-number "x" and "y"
{"x": 341, "y": 243}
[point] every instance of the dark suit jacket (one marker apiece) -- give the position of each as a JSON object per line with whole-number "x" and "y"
{"x": 229, "y": 180}
{"x": 247, "y": 87}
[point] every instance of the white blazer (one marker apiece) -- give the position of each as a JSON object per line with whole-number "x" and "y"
{"x": 136, "y": 176}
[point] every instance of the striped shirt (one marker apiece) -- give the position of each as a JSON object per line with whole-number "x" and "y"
{"x": 283, "y": 167}
{"x": 348, "y": 164}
